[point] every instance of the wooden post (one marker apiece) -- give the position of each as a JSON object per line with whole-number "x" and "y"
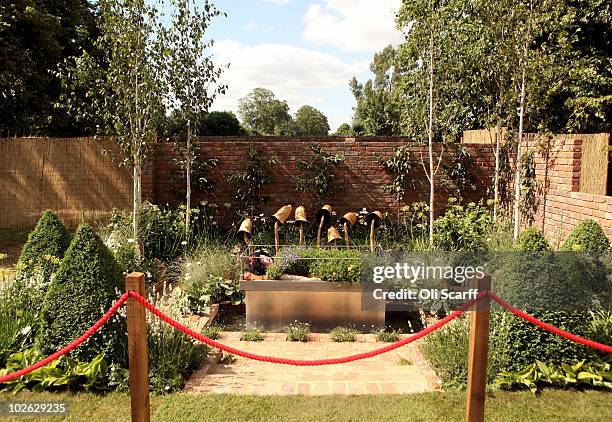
{"x": 346, "y": 236}
{"x": 319, "y": 232}
{"x": 372, "y": 246}
{"x": 477, "y": 358}
{"x": 276, "y": 241}
{"x": 137, "y": 350}
{"x": 246, "y": 239}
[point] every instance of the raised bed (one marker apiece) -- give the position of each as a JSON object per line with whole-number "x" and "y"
{"x": 274, "y": 304}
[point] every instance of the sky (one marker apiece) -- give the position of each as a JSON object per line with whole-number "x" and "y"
{"x": 304, "y": 51}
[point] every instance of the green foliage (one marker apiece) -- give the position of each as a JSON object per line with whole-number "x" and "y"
{"x": 600, "y": 327}
{"x": 310, "y": 122}
{"x": 261, "y": 111}
{"x": 343, "y": 335}
{"x": 298, "y": 331}
{"x": 200, "y": 169}
{"x": 461, "y": 172}
{"x": 404, "y": 168}
{"x": 248, "y": 184}
{"x": 209, "y": 275}
{"x": 48, "y": 239}
{"x": 18, "y": 318}
{"x": 173, "y": 356}
{"x": 86, "y": 285}
{"x": 61, "y": 373}
{"x": 344, "y": 130}
{"x": 529, "y": 186}
{"x": 588, "y": 237}
{"x": 336, "y": 265}
{"x": 36, "y": 36}
{"x": 213, "y": 332}
{"x": 253, "y": 333}
{"x": 463, "y": 228}
{"x": 215, "y": 123}
{"x": 274, "y": 271}
{"x": 590, "y": 374}
{"x": 319, "y": 172}
{"x": 388, "y": 335}
{"x": 532, "y": 240}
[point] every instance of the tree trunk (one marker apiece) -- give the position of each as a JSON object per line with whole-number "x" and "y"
{"x": 517, "y": 181}
{"x": 497, "y": 152}
{"x": 137, "y": 198}
{"x": 430, "y": 137}
{"x": 188, "y": 176}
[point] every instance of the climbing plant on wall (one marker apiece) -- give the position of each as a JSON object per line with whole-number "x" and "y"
{"x": 402, "y": 166}
{"x": 318, "y": 172}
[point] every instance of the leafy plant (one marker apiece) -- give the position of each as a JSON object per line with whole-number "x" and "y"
{"x": 18, "y": 323}
{"x": 48, "y": 239}
{"x": 87, "y": 284}
{"x": 298, "y": 331}
{"x": 529, "y": 186}
{"x": 403, "y": 167}
{"x": 461, "y": 172}
{"x": 61, "y": 373}
{"x": 248, "y": 184}
{"x": 463, "y": 228}
{"x": 213, "y": 332}
{"x": 274, "y": 271}
{"x": 200, "y": 168}
{"x": 388, "y": 335}
{"x": 593, "y": 374}
{"x": 336, "y": 265}
{"x": 588, "y": 236}
{"x": 532, "y": 240}
{"x": 319, "y": 171}
{"x": 343, "y": 335}
{"x": 253, "y": 333}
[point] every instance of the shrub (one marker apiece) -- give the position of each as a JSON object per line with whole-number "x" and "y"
{"x": 213, "y": 332}
{"x": 85, "y": 286}
{"x": 17, "y": 323}
{"x": 337, "y": 265}
{"x": 173, "y": 356}
{"x": 388, "y": 336}
{"x": 48, "y": 239}
{"x": 463, "y": 228}
{"x": 253, "y": 333}
{"x": 588, "y": 236}
{"x": 532, "y": 240}
{"x": 343, "y": 335}
{"x": 298, "y": 331}
{"x": 275, "y": 271}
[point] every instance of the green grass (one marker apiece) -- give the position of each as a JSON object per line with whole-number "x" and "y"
{"x": 552, "y": 405}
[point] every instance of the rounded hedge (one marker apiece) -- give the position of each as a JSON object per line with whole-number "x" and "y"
{"x": 532, "y": 240}
{"x": 588, "y": 236}
{"x": 48, "y": 239}
{"x": 86, "y": 285}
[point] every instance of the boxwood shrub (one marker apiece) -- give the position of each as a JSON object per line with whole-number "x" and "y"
{"x": 588, "y": 236}
{"x": 532, "y": 240}
{"x": 87, "y": 283}
{"x": 48, "y": 240}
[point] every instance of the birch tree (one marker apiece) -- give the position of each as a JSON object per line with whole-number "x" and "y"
{"x": 191, "y": 77}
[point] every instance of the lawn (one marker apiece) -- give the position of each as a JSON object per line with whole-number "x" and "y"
{"x": 553, "y": 405}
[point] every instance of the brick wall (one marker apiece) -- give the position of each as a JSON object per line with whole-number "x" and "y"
{"x": 560, "y": 204}
{"x": 358, "y": 183}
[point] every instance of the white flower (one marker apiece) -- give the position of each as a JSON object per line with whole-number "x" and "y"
{"x": 188, "y": 265}
{"x": 184, "y": 242}
{"x": 149, "y": 274}
{"x": 131, "y": 240}
{"x": 199, "y": 262}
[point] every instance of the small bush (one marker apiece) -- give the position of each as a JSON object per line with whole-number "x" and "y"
{"x": 298, "y": 331}
{"x": 343, "y": 335}
{"x": 388, "y": 336}
{"x": 48, "y": 239}
{"x": 336, "y": 265}
{"x": 173, "y": 356}
{"x": 463, "y": 228}
{"x": 532, "y": 240}
{"x": 252, "y": 334}
{"x": 588, "y": 236}
{"x": 213, "y": 332}
{"x": 18, "y": 323}
{"x": 275, "y": 271}
{"x": 86, "y": 285}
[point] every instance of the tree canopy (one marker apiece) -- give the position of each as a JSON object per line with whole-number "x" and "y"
{"x": 311, "y": 122}
{"x": 262, "y": 112}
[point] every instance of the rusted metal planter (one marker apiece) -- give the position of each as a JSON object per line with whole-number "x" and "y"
{"x": 274, "y": 304}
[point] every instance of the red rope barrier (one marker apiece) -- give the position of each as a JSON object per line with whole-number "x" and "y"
{"x": 550, "y": 328}
{"x": 297, "y": 362}
{"x": 70, "y": 347}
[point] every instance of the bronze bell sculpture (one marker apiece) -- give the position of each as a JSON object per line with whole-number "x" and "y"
{"x": 324, "y": 218}
{"x": 280, "y": 217}
{"x": 246, "y": 229}
{"x": 374, "y": 220}
{"x": 300, "y": 218}
{"x": 333, "y": 235}
{"x": 348, "y": 220}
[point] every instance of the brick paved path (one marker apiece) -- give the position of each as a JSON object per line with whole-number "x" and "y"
{"x": 400, "y": 371}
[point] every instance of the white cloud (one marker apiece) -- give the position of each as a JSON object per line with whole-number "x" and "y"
{"x": 298, "y": 75}
{"x": 353, "y": 25}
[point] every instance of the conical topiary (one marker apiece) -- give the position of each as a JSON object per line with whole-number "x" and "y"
{"x": 48, "y": 241}
{"x": 86, "y": 285}
{"x": 588, "y": 236}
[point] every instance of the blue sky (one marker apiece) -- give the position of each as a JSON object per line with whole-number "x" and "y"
{"x": 305, "y": 51}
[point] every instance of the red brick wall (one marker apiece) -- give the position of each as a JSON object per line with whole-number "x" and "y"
{"x": 358, "y": 183}
{"x": 561, "y": 205}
